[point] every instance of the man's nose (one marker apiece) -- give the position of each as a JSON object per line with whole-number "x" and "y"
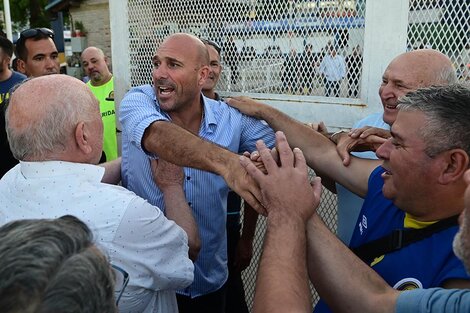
{"x": 383, "y": 152}
{"x": 51, "y": 63}
{"x": 386, "y": 91}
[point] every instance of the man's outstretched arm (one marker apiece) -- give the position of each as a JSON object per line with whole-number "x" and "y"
{"x": 345, "y": 282}
{"x": 319, "y": 151}
{"x": 179, "y": 146}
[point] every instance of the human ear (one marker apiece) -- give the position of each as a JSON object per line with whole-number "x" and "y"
{"x": 455, "y": 163}
{"x": 203, "y": 74}
{"x": 82, "y": 138}
{"x": 21, "y": 66}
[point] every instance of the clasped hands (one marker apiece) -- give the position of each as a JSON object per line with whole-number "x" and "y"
{"x": 282, "y": 175}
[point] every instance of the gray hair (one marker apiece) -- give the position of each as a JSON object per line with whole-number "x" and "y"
{"x": 53, "y": 266}
{"x": 51, "y": 132}
{"x": 447, "y": 75}
{"x": 447, "y": 111}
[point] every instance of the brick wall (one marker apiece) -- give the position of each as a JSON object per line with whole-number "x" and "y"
{"x": 94, "y": 14}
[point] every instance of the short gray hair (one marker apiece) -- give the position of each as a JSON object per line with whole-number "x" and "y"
{"x": 447, "y": 111}
{"x": 53, "y": 130}
{"x": 447, "y": 76}
{"x": 53, "y": 266}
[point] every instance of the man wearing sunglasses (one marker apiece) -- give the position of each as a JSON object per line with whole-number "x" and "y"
{"x": 37, "y": 53}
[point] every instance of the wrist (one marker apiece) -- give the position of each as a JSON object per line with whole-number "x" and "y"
{"x": 336, "y": 135}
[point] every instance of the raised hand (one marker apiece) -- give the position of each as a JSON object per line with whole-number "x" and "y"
{"x": 285, "y": 189}
{"x": 246, "y": 105}
{"x": 361, "y": 139}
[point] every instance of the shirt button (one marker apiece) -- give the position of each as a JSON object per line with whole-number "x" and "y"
{"x": 188, "y": 177}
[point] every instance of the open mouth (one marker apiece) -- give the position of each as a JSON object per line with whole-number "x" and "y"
{"x": 165, "y": 90}
{"x": 387, "y": 173}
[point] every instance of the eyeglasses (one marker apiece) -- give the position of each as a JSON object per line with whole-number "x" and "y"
{"x": 33, "y": 32}
{"x": 121, "y": 280}
{"x": 213, "y": 44}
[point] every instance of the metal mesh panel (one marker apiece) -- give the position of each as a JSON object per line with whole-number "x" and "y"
{"x": 267, "y": 46}
{"x": 442, "y": 25}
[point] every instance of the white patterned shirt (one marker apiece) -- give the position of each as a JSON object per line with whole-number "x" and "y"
{"x": 133, "y": 233}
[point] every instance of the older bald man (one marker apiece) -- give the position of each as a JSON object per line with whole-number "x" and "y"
{"x": 58, "y": 139}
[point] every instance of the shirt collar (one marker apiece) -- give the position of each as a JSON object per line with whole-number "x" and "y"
{"x": 208, "y": 115}
{"x": 60, "y": 168}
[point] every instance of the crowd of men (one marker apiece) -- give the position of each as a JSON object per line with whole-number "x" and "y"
{"x": 158, "y": 242}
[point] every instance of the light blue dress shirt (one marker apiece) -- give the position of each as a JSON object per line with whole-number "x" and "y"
{"x": 434, "y": 300}
{"x": 205, "y": 192}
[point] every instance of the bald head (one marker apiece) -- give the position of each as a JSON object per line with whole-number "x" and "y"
{"x": 43, "y": 127}
{"x": 410, "y": 71}
{"x": 95, "y": 64}
{"x": 429, "y": 67}
{"x": 93, "y": 50}
{"x": 191, "y": 44}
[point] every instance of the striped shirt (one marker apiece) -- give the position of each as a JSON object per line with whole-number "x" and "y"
{"x": 206, "y": 192}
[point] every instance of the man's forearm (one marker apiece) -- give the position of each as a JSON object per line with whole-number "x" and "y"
{"x": 282, "y": 281}
{"x": 112, "y": 171}
{"x": 179, "y": 146}
{"x": 298, "y": 134}
{"x": 320, "y": 152}
{"x": 178, "y": 210}
{"x": 345, "y": 282}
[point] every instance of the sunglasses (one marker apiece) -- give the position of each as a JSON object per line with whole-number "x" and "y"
{"x": 33, "y": 32}
{"x": 213, "y": 44}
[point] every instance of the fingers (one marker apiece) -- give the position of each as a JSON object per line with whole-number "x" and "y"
{"x": 355, "y": 133}
{"x": 343, "y": 154}
{"x": 275, "y": 156}
{"x": 317, "y": 190}
{"x": 346, "y": 159}
{"x": 251, "y": 169}
{"x": 266, "y": 157}
{"x": 373, "y": 131}
{"x": 375, "y": 140}
{"x": 254, "y": 156}
{"x": 299, "y": 159}
{"x": 285, "y": 153}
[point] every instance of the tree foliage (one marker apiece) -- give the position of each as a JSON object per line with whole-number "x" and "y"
{"x": 24, "y": 12}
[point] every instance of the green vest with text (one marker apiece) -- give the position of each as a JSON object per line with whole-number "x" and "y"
{"x": 105, "y": 95}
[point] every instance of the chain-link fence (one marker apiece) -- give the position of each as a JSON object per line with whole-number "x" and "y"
{"x": 442, "y": 25}
{"x": 294, "y": 47}
{"x": 304, "y": 49}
